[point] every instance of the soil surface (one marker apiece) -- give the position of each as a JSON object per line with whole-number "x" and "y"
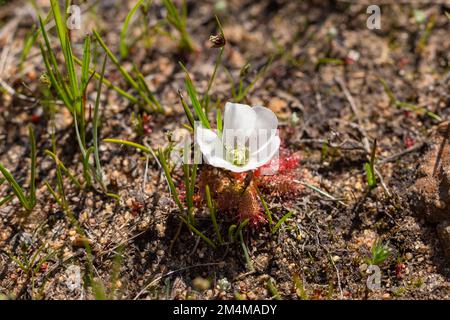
{"x": 325, "y": 83}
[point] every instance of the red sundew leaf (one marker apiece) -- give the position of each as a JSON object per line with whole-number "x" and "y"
{"x": 35, "y": 118}
{"x": 285, "y": 162}
{"x": 409, "y": 142}
{"x": 249, "y": 207}
{"x": 239, "y": 176}
{"x": 349, "y": 60}
{"x": 146, "y": 119}
{"x": 399, "y": 268}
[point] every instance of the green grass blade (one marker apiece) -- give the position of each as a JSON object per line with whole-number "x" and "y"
{"x": 54, "y": 63}
{"x": 18, "y": 191}
{"x": 67, "y": 52}
{"x": 213, "y": 76}
{"x": 85, "y": 75}
{"x": 172, "y": 15}
{"x": 20, "y": 264}
{"x": 130, "y": 144}
{"x": 193, "y": 177}
{"x": 148, "y": 96}
{"x": 60, "y": 26}
{"x": 123, "y": 33}
{"x": 113, "y": 58}
{"x": 219, "y": 122}
{"x": 231, "y": 231}
{"x": 388, "y": 90}
{"x": 370, "y": 176}
{"x": 95, "y": 124}
{"x": 187, "y": 110}
{"x": 246, "y": 254}
{"x": 260, "y": 73}
{"x": 6, "y": 199}
{"x": 173, "y": 190}
{"x": 32, "y": 195}
{"x": 30, "y": 40}
{"x": 73, "y": 78}
{"x": 370, "y": 168}
{"x": 241, "y": 227}
{"x": 189, "y": 191}
{"x": 55, "y": 84}
{"x": 194, "y": 99}
{"x": 109, "y": 84}
{"x": 266, "y": 208}
{"x": 212, "y": 212}
{"x": 199, "y": 233}
{"x": 281, "y": 221}
{"x": 64, "y": 168}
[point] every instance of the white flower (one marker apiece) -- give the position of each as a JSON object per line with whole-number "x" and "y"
{"x": 248, "y": 140}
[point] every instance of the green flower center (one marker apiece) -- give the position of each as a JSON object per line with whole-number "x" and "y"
{"x": 238, "y": 156}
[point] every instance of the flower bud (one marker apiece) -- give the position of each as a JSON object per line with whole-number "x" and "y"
{"x": 218, "y": 41}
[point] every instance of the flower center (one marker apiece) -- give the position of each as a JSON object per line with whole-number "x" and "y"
{"x": 238, "y": 156}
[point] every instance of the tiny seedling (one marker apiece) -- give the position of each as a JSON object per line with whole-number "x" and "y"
{"x": 370, "y": 168}
{"x": 269, "y": 215}
{"x": 31, "y": 266}
{"x": 108, "y": 291}
{"x": 299, "y": 288}
{"x": 273, "y": 289}
{"x": 380, "y": 252}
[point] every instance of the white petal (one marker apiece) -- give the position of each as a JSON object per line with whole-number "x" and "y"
{"x": 239, "y": 122}
{"x": 212, "y": 149}
{"x": 210, "y": 144}
{"x": 265, "y": 118}
{"x": 238, "y": 116}
{"x": 265, "y": 154}
{"x": 265, "y": 128}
